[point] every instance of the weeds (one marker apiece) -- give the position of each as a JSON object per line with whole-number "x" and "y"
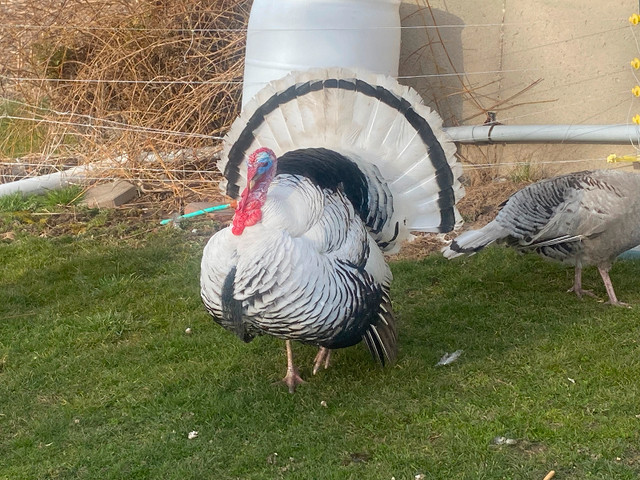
{"x": 19, "y": 136}
{"x": 52, "y": 200}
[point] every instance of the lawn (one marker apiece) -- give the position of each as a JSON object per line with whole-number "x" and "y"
{"x": 99, "y": 379}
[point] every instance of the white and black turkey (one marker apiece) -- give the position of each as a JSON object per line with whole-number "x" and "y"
{"x": 330, "y": 168}
{"x": 583, "y": 218}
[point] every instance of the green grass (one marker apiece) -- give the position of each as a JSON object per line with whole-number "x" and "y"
{"x": 50, "y": 201}
{"x": 98, "y": 378}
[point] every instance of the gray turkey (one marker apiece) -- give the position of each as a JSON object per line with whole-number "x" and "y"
{"x": 583, "y": 218}
{"x": 330, "y": 169}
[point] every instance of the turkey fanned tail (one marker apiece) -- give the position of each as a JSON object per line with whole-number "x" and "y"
{"x": 381, "y": 126}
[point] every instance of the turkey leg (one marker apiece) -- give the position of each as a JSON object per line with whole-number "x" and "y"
{"x": 604, "y": 273}
{"x": 577, "y": 284}
{"x": 292, "y": 379}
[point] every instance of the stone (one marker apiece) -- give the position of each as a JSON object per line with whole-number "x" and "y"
{"x": 110, "y": 195}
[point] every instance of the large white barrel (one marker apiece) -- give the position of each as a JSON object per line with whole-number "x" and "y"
{"x": 288, "y": 35}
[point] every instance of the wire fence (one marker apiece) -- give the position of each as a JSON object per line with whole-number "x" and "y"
{"x": 92, "y": 80}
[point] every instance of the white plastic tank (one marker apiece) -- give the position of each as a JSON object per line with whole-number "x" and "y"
{"x": 288, "y": 35}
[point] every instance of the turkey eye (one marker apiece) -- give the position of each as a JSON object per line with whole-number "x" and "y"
{"x": 264, "y": 166}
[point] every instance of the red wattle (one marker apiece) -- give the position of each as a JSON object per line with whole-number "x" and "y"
{"x": 245, "y": 217}
{"x": 238, "y": 225}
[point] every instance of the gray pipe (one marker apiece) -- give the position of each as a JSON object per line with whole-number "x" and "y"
{"x": 82, "y": 173}
{"x": 594, "y": 134}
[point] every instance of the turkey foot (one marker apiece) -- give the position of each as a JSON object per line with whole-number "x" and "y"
{"x": 580, "y": 292}
{"x": 613, "y": 300}
{"x": 292, "y": 379}
{"x": 323, "y": 357}
{"x": 577, "y": 284}
{"x": 618, "y": 303}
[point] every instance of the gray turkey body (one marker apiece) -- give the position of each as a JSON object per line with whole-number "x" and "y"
{"x": 583, "y": 218}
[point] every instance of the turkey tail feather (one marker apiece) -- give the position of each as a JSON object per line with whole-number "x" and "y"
{"x": 371, "y": 119}
{"x": 381, "y": 337}
{"x": 473, "y": 241}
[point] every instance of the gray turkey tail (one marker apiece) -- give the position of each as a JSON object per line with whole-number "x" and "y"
{"x": 381, "y": 337}
{"x": 473, "y": 241}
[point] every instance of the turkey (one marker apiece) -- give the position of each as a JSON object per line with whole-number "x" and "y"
{"x": 583, "y": 218}
{"x": 330, "y": 168}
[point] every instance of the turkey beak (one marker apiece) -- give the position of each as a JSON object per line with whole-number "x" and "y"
{"x": 253, "y": 178}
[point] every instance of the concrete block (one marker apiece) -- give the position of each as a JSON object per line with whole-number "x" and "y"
{"x": 110, "y": 195}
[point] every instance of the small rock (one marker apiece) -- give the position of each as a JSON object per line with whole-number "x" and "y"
{"x": 110, "y": 195}
{"x": 188, "y": 331}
